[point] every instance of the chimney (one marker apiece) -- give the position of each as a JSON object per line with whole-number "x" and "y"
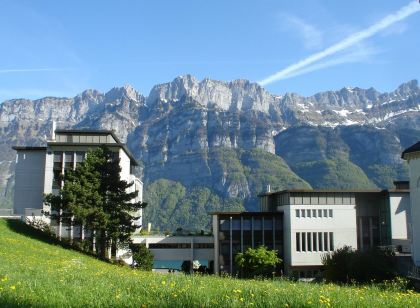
{"x": 268, "y": 188}
{"x": 54, "y": 124}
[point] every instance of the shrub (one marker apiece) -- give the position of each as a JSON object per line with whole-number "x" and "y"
{"x": 142, "y": 257}
{"x": 257, "y": 262}
{"x": 346, "y": 265}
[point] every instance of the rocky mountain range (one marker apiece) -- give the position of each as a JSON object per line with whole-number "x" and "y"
{"x": 213, "y": 145}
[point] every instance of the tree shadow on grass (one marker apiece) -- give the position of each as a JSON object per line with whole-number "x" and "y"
{"x": 22, "y": 228}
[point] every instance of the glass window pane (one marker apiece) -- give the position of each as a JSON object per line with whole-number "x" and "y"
{"x": 331, "y": 241}
{"x": 297, "y": 213}
{"x": 314, "y": 237}
{"x": 326, "y": 241}
{"x": 320, "y": 246}
{"x": 309, "y": 237}
{"x": 303, "y": 241}
{"x": 58, "y": 156}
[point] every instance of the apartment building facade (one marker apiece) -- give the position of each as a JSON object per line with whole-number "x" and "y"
{"x": 38, "y": 171}
{"x": 304, "y": 225}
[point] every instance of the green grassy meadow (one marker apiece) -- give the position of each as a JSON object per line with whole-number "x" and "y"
{"x": 34, "y": 273}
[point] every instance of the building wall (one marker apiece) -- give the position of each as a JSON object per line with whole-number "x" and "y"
{"x": 29, "y": 180}
{"x": 414, "y": 171}
{"x": 190, "y": 251}
{"x": 342, "y": 225}
{"x": 400, "y": 217}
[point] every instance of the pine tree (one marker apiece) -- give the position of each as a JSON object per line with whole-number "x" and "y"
{"x": 95, "y": 197}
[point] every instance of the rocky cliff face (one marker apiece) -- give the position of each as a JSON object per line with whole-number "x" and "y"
{"x": 224, "y": 135}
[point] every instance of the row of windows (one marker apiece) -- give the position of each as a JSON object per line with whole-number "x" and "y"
{"x": 181, "y": 245}
{"x": 314, "y": 241}
{"x": 315, "y": 198}
{"x": 83, "y": 138}
{"x": 66, "y": 160}
{"x": 326, "y": 213}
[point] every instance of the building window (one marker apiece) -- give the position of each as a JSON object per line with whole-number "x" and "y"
{"x": 326, "y": 241}
{"x": 203, "y": 245}
{"x": 325, "y": 213}
{"x": 303, "y": 241}
{"x": 298, "y": 213}
{"x": 68, "y": 162}
{"x": 314, "y": 238}
{"x": 302, "y": 213}
{"x": 297, "y": 241}
{"x": 330, "y": 213}
{"x": 57, "y": 169}
{"x": 309, "y": 237}
{"x": 80, "y": 157}
{"x": 169, "y": 245}
{"x": 331, "y": 241}
{"x": 314, "y": 213}
{"x": 320, "y": 213}
{"x": 320, "y": 246}
{"x": 308, "y": 213}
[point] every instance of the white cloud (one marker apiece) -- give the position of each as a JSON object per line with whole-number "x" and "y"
{"x": 348, "y": 42}
{"x": 311, "y": 36}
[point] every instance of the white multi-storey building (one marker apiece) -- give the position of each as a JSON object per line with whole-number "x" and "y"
{"x": 412, "y": 155}
{"x": 38, "y": 170}
{"x": 304, "y": 225}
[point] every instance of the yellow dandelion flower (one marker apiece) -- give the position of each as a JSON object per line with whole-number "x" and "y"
{"x": 12, "y": 287}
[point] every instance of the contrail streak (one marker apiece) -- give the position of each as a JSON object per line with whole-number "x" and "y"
{"x": 30, "y": 70}
{"x": 351, "y": 40}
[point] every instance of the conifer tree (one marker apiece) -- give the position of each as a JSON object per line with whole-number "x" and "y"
{"x": 95, "y": 197}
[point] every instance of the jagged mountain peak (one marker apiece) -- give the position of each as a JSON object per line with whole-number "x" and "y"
{"x": 408, "y": 88}
{"x": 127, "y": 92}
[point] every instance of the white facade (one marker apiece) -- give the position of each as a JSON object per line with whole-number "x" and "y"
{"x": 310, "y": 231}
{"x": 412, "y": 155}
{"x": 178, "y": 248}
{"x": 37, "y": 170}
{"x": 399, "y": 203}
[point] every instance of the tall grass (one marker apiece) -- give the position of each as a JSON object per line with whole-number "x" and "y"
{"x": 34, "y": 273}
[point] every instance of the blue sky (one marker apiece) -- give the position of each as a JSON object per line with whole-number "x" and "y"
{"x": 60, "y": 48}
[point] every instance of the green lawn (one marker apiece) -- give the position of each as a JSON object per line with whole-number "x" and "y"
{"x": 37, "y": 274}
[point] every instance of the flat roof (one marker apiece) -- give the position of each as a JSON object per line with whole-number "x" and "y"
{"x": 95, "y": 132}
{"x": 244, "y": 213}
{"x": 110, "y": 145}
{"x": 89, "y": 131}
{"x": 83, "y": 131}
{"x": 28, "y": 148}
{"x": 413, "y": 148}
{"x": 323, "y": 191}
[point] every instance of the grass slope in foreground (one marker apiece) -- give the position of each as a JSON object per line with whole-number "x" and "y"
{"x": 37, "y": 274}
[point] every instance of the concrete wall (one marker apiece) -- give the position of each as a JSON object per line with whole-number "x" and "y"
{"x": 181, "y": 254}
{"x": 400, "y": 217}
{"x": 414, "y": 171}
{"x": 29, "y": 180}
{"x": 342, "y": 224}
